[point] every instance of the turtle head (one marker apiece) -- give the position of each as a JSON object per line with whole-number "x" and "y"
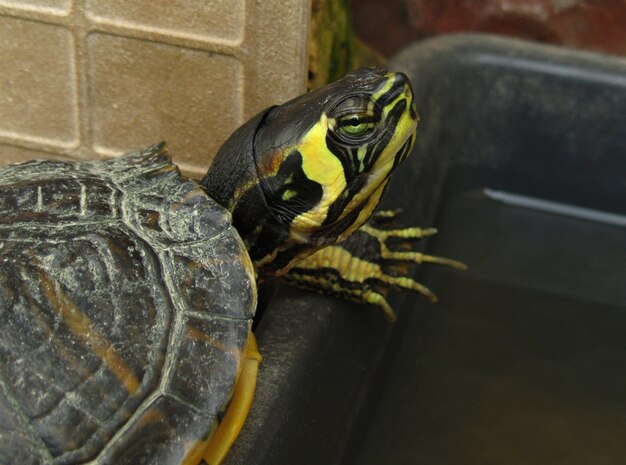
{"x": 318, "y": 165}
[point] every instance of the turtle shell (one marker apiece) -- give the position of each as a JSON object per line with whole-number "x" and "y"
{"x": 126, "y": 298}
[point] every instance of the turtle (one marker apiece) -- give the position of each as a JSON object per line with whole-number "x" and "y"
{"x": 127, "y": 291}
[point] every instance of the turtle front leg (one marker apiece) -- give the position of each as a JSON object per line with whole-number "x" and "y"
{"x": 366, "y": 266}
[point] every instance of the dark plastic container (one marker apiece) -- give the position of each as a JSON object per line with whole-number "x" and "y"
{"x": 521, "y": 165}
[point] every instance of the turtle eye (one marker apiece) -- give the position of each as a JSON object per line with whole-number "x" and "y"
{"x": 356, "y": 126}
{"x": 354, "y": 120}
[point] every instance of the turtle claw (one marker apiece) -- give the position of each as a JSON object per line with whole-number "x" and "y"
{"x": 373, "y": 297}
{"x": 408, "y": 234}
{"x": 417, "y": 257}
{"x": 376, "y": 298}
{"x": 404, "y": 282}
{"x": 443, "y": 261}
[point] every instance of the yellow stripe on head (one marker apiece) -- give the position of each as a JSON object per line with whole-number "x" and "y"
{"x": 321, "y": 166}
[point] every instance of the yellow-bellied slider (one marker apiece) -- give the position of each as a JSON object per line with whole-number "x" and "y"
{"x": 127, "y": 291}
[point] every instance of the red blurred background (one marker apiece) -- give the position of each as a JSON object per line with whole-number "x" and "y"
{"x": 599, "y": 25}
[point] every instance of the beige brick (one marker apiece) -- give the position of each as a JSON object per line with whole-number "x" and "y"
{"x": 143, "y": 92}
{"x": 38, "y": 99}
{"x": 45, "y": 6}
{"x": 198, "y": 19}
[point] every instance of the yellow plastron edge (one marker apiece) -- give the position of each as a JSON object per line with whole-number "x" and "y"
{"x": 237, "y": 412}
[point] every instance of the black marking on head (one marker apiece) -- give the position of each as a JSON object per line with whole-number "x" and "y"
{"x": 331, "y": 229}
{"x": 404, "y": 151}
{"x": 356, "y": 176}
{"x": 346, "y": 155}
{"x": 336, "y": 208}
{"x": 393, "y": 93}
{"x": 289, "y": 192}
{"x": 375, "y": 150}
{"x": 413, "y": 111}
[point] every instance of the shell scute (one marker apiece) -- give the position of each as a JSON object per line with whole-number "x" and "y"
{"x": 144, "y": 170}
{"x": 57, "y": 201}
{"x": 25, "y": 448}
{"x": 175, "y": 213}
{"x": 167, "y": 432}
{"x": 208, "y": 345}
{"x": 84, "y": 334}
{"x": 214, "y": 277}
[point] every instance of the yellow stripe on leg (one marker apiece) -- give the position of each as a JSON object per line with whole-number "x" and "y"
{"x": 409, "y": 233}
{"x": 404, "y": 233}
{"x": 386, "y": 214}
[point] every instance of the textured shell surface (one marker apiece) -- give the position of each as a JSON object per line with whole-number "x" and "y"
{"x": 126, "y": 298}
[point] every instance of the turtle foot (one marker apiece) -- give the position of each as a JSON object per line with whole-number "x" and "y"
{"x": 366, "y": 266}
